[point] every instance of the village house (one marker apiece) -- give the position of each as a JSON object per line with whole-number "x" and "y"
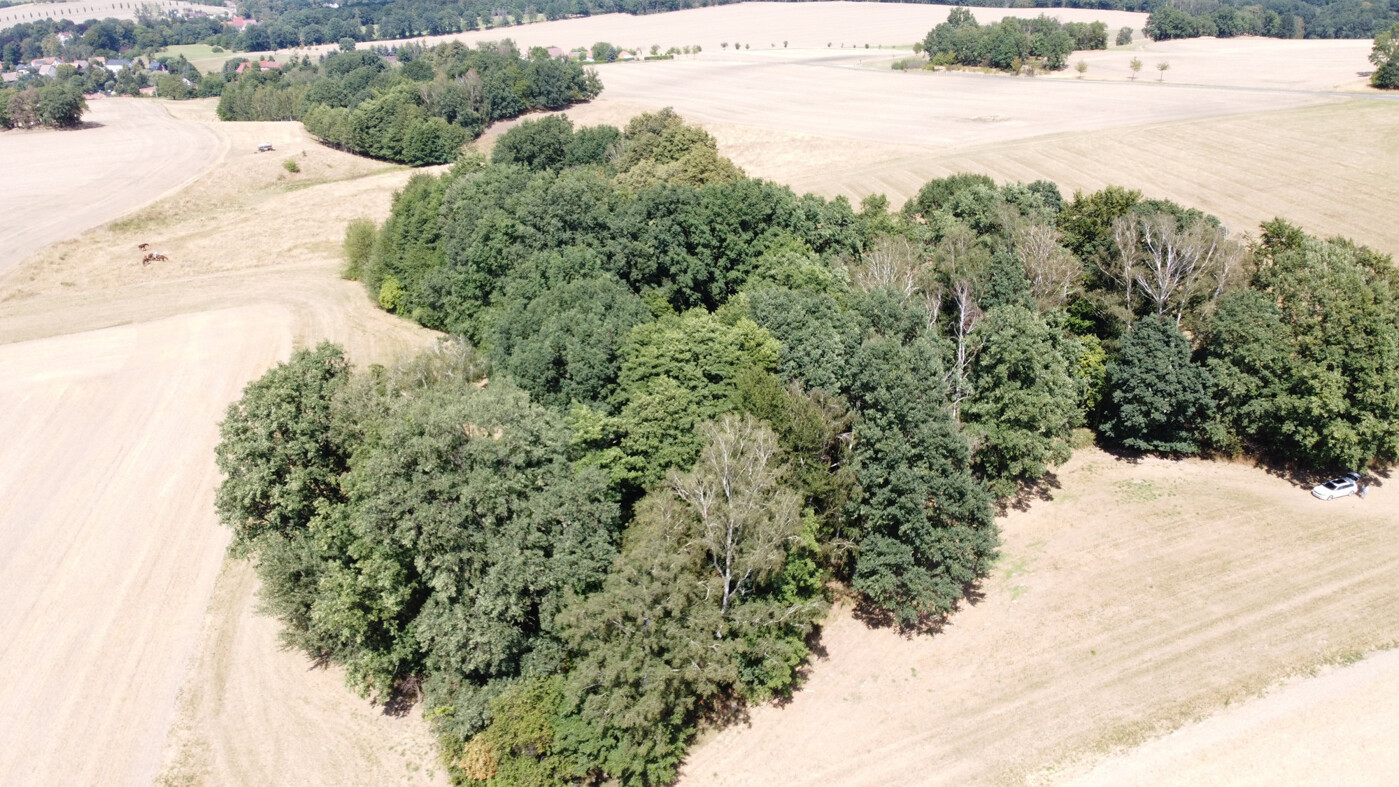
{"x": 265, "y": 65}
{"x": 239, "y": 23}
{"x": 555, "y": 52}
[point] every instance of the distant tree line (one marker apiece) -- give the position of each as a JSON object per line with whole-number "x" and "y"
{"x": 681, "y": 403}
{"x": 420, "y": 111}
{"x": 1011, "y": 42}
{"x": 29, "y": 41}
{"x": 1272, "y": 18}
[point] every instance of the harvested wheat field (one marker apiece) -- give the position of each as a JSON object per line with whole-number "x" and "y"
{"x": 758, "y": 26}
{"x": 133, "y": 152}
{"x": 1142, "y": 596}
{"x": 1246, "y": 153}
{"x": 114, "y": 376}
{"x": 1312, "y": 64}
{"x": 83, "y": 10}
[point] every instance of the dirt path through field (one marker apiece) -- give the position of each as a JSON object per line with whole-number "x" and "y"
{"x": 134, "y": 153}
{"x": 1341, "y": 724}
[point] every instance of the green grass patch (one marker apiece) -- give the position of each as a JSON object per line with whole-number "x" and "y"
{"x": 201, "y": 56}
{"x": 1137, "y": 491}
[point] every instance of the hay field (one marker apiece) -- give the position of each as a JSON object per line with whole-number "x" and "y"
{"x": 83, "y": 10}
{"x": 1140, "y": 598}
{"x": 1245, "y": 152}
{"x": 1330, "y": 167}
{"x": 129, "y": 652}
{"x": 759, "y": 26}
{"x": 1314, "y": 64}
{"x": 133, "y": 152}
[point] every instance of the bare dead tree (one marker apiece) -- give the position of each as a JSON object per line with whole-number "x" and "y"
{"x": 889, "y": 262}
{"x": 1230, "y": 269}
{"x": 967, "y": 316}
{"x": 1053, "y": 271}
{"x": 1178, "y": 263}
{"x": 1121, "y": 268}
{"x": 745, "y": 516}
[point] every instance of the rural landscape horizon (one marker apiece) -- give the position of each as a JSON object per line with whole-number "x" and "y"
{"x": 604, "y": 392}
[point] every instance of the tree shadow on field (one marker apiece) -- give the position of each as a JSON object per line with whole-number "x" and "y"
{"x": 1041, "y": 490}
{"x": 816, "y": 651}
{"x": 406, "y": 693}
{"x": 876, "y": 617}
{"x": 1306, "y": 478}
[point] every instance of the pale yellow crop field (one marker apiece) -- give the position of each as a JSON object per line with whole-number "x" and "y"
{"x": 1230, "y": 62}
{"x": 760, "y": 26}
{"x": 83, "y": 10}
{"x": 128, "y": 653}
{"x": 132, "y": 154}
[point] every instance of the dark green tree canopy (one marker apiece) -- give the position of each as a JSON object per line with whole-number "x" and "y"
{"x": 1159, "y": 398}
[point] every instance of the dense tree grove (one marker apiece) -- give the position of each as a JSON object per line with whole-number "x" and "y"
{"x": 1011, "y": 42}
{"x": 29, "y": 41}
{"x": 52, "y": 102}
{"x": 1272, "y": 18}
{"x": 681, "y": 404}
{"x": 418, "y": 112}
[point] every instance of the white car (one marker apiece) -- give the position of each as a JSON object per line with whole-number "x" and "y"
{"x": 1347, "y": 484}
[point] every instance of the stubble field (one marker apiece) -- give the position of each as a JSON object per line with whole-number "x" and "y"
{"x": 1142, "y": 597}
{"x": 113, "y": 377}
{"x": 83, "y": 10}
{"x": 129, "y": 155}
{"x": 758, "y": 26}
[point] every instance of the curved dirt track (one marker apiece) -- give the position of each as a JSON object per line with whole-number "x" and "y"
{"x": 1341, "y": 724}
{"x": 132, "y": 153}
{"x": 113, "y": 377}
